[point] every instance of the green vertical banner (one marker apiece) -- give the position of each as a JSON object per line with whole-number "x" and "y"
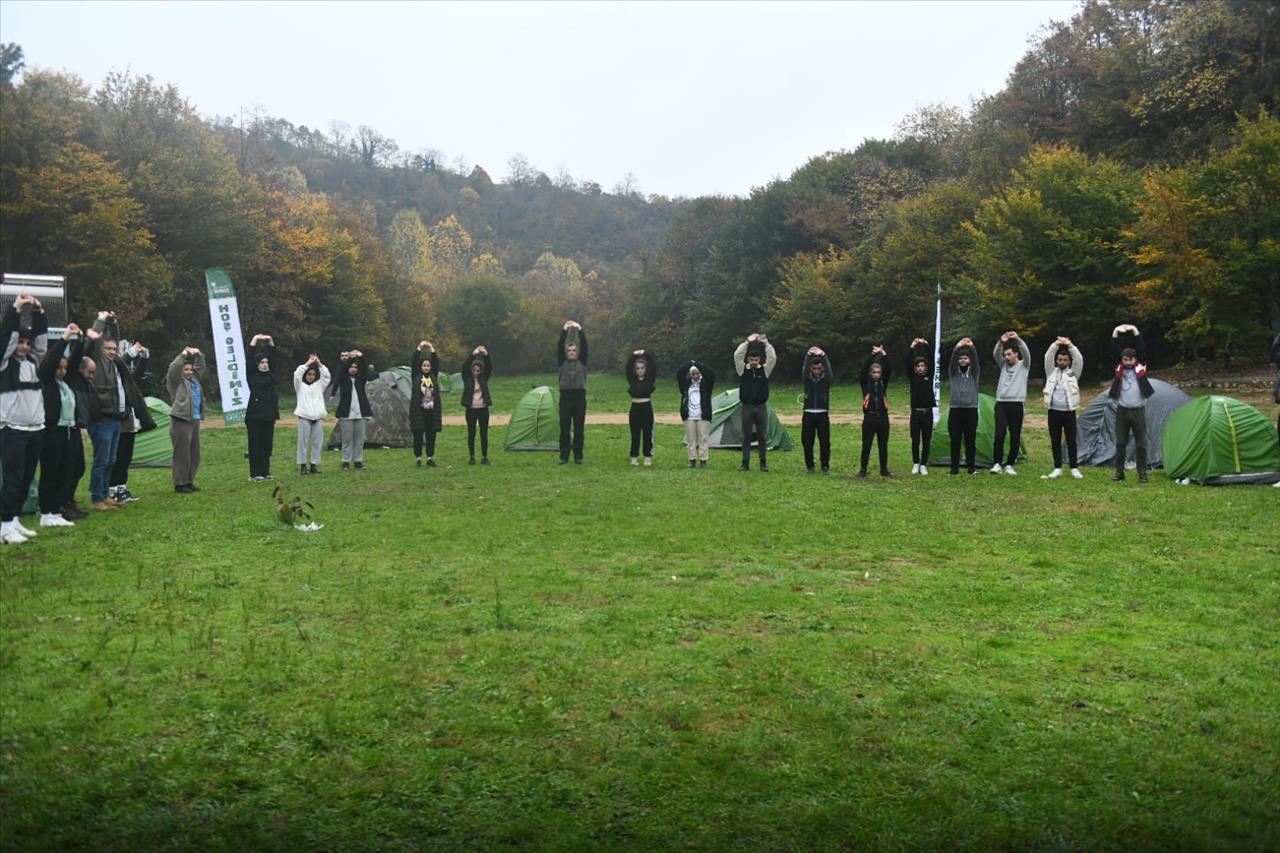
{"x": 228, "y": 344}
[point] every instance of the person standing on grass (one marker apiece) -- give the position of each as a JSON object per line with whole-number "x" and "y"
{"x": 111, "y": 410}
{"x": 61, "y": 435}
{"x": 571, "y": 355}
{"x": 310, "y": 379}
{"x": 923, "y": 401}
{"x": 476, "y": 401}
{"x": 353, "y": 410}
{"x": 425, "y": 421}
{"x": 1130, "y": 389}
{"x": 22, "y": 416}
{"x": 186, "y": 410}
{"x": 697, "y": 383}
{"x": 263, "y": 411}
{"x": 1014, "y": 360}
{"x": 754, "y": 360}
{"x": 131, "y": 364}
{"x": 1063, "y": 367}
{"x": 642, "y": 375}
{"x": 815, "y": 421}
{"x": 875, "y": 409}
{"x": 80, "y": 380}
{"x": 962, "y": 414}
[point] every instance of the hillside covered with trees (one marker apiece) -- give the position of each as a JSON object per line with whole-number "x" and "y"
{"x": 1129, "y": 169}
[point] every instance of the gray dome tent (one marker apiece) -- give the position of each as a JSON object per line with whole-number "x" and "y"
{"x": 389, "y": 399}
{"x": 1097, "y": 424}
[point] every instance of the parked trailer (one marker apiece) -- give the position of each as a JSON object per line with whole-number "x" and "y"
{"x": 51, "y": 290}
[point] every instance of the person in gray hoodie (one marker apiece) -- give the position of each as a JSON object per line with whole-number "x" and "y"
{"x": 1014, "y": 360}
{"x": 962, "y": 414}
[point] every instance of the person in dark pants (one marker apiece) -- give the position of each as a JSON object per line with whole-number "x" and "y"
{"x": 1063, "y": 367}
{"x": 476, "y": 401}
{"x": 571, "y": 355}
{"x": 186, "y": 410}
{"x": 962, "y": 415}
{"x": 815, "y": 421}
{"x": 1130, "y": 389}
{"x": 1013, "y": 359}
{"x": 642, "y": 375}
{"x": 22, "y": 413}
{"x": 923, "y": 401}
{"x": 425, "y": 405}
{"x": 875, "y": 410}
{"x": 61, "y": 434}
{"x": 754, "y": 360}
{"x": 132, "y": 359}
{"x": 263, "y": 411}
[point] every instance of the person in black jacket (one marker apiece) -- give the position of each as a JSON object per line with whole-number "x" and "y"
{"x": 61, "y": 435}
{"x": 347, "y": 387}
{"x": 263, "y": 411}
{"x": 923, "y": 402}
{"x": 1130, "y": 389}
{"x": 425, "y": 419}
{"x": 697, "y": 384}
{"x": 131, "y": 365}
{"x": 875, "y": 410}
{"x": 571, "y": 355}
{"x": 476, "y": 401}
{"x": 22, "y": 415}
{"x": 81, "y": 381}
{"x": 754, "y": 359}
{"x": 816, "y": 419}
{"x": 642, "y": 375}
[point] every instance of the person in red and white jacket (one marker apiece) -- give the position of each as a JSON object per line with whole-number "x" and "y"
{"x": 1130, "y": 389}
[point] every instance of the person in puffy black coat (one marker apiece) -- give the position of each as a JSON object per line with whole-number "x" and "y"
{"x": 642, "y": 374}
{"x": 425, "y": 421}
{"x": 263, "y": 411}
{"x": 476, "y": 401}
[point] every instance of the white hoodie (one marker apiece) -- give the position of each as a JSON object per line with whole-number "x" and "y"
{"x": 310, "y": 397}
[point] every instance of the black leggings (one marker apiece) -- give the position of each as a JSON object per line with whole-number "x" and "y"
{"x": 1009, "y": 416}
{"x": 262, "y": 436}
{"x": 816, "y": 425}
{"x": 124, "y": 458}
{"x": 962, "y": 424}
{"x": 921, "y": 434}
{"x": 1060, "y": 422}
{"x": 478, "y": 417}
{"x": 875, "y": 425}
{"x": 573, "y": 413}
{"x": 58, "y": 471}
{"x": 640, "y": 419}
{"x": 425, "y": 437}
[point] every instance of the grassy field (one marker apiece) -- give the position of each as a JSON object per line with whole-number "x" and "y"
{"x": 604, "y": 656}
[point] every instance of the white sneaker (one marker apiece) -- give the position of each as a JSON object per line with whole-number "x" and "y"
{"x": 21, "y": 528}
{"x": 924, "y": 470}
{"x": 635, "y": 461}
{"x": 1008, "y": 469}
{"x": 52, "y": 519}
{"x": 9, "y": 534}
{"x": 1075, "y": 472}
{"x": 915, "y": 469}
{"x": 1053, "y": 475}
{"x": 648, "y": 461}
{"x": 995, "y": 469}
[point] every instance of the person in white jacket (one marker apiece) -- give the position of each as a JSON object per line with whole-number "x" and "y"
{"x": 309, "y": 382}
{"x": 1063, "y": 366}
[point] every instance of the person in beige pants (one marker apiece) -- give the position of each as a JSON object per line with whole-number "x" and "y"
{"x": 697, "y": 385}
{"x": 185, "y": 413}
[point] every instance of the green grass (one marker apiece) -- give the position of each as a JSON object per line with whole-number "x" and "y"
{"x": 602, "y": 656}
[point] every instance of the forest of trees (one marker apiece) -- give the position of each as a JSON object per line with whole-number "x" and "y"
{"x": 1129, "y": 170}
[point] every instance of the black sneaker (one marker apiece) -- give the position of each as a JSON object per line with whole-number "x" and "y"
{"x": 764, "y": 469}
{"x": 315, "y": 469}
{"x": 1142, "y": 477}
{"x": 127, "y": 496}
{"x": 826, "y": 470}
{"x": 744, "y": 467}
{"x": 471, "y": 461}
{"x": 702, "y": 463}
{"x": 809, "y": 469}
{"x": 886, "y": 473}
{"x": 431, "y": 463}
{"x": 693, "y": 463}
{"x": 577, "y": 461}
{"x": 954, "y": 472}
{"x": 358, "y": 465}
{"x": 564, "y": 461}
{"x": 862, "y": 475}
{"x": 346, "y": 466}
{"x": 484, "y": 460}
{"x": 1118, "y": 477}
{"x": 302, "y": 469}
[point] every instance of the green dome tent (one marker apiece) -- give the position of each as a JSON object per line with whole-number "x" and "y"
{"x": 726, "y": 425}
{"x": 153, "y": 449}
{"x": 535, "y": 422}
{"x": 986, "y": 441}
{"x": 1217, "y": 441}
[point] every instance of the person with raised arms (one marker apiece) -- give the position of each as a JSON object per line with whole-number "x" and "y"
{"x": 1014, "y": 360}
{"x": 22, "y": 416}
{"x": 754, "y": 360}
{"x": 1063, "y": 367}
{"x": 1130, "y": 389}
{"x": 571, "y": 355}
{"x": 923, "y": 401}
{"x": 186, "y": 410}
{"x": 61, "y": 440}
{"x": 642, "y": 374}
{"x": 962, "y": 413}
{"x": 815, "y": 420}
{"x": 111, "y": 410}
{"x": 131, "y": 364}
{"x": 263, "y": 411}
{"x": 875, "y": 409}
{"x": 425, "y": 420}
{"x": 697, "y": 383}
{"x": 353, "y": 409}
{"x": 476, "y": 401}
{"x": 310, "y": 379}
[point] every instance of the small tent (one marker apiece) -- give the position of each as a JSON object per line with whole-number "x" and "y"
{"x": 389, "y": 398}
{"x": 153, "y": 448}
{"x": 726, "y": 425}
{"x": 1097, "y": 426}
{"x": 535, "y": 422}
{"x": 985, "y": 444}
{"x": 1217, "y": 441}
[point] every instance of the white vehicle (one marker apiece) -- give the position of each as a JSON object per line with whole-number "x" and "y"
{"x": 51, "y": 290}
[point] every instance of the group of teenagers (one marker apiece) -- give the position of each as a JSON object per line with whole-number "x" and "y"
{"x": 89, "y": 381}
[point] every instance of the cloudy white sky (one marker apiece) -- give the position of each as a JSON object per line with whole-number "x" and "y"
{"x": 692, "y": 98}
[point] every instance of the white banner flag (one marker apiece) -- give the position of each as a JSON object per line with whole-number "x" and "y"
{"x": 228, "y": 344}
{"x": 937, "y": 357}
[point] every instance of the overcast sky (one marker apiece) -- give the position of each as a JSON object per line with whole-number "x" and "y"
{"x": 693, "y": 98}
